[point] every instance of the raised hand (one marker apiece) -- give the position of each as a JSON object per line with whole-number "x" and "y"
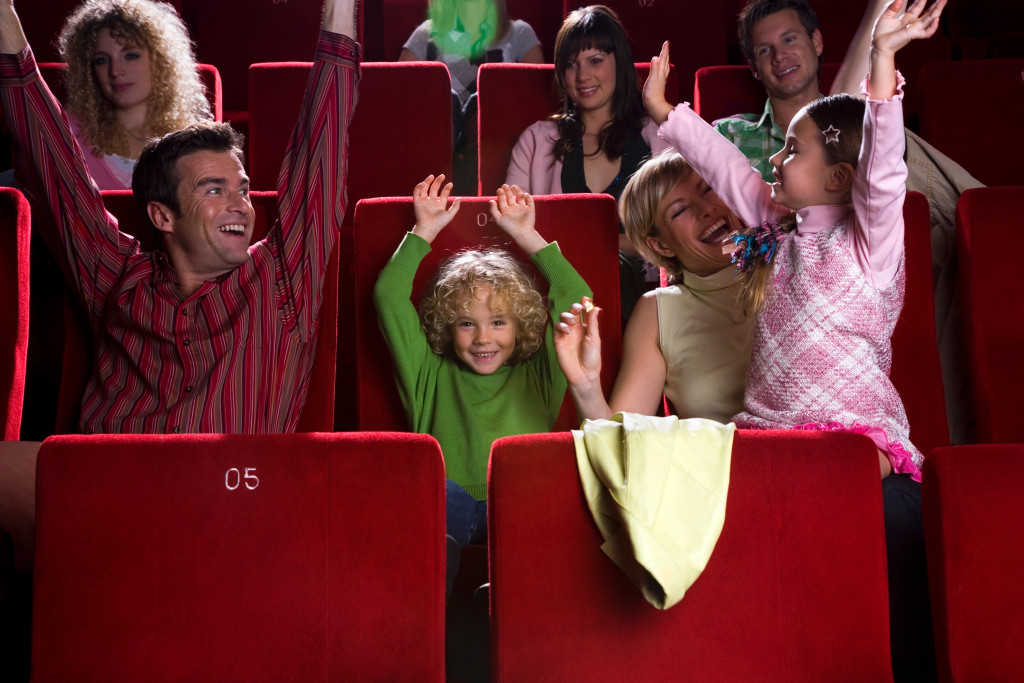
{"x": 657, "y": 106}
{"x": 894, "y": 31}
{"x": 514, "y": 212}
{"x": 578, "y": 348}
{"x": 430, "y": 204}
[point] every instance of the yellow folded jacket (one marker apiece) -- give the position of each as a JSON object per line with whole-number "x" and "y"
{"x": 657, "y": 488}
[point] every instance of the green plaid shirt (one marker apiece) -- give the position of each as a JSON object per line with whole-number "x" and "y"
{"x": 757, "y": 136}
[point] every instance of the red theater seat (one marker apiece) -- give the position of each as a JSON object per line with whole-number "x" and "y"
{"x": 973, "y": 523}
{"x": 53, "y": 74}
{"x": 235, "y": 33}
{"x": 390, "y": 150}
{"x": 794, "y": 591}
{"x": 988, "y": 231}
{"x": 239, "y": 558}
{"x": 697, "y": 32}
{"x": 15, "y": 229}
{"x": 584, "y": 226}
{"x": 721, "y": 91}
{"x": 963, "y": 104}
{"x": 916, "y": 371}
{"x": 511, "y": 98}
{"x": 318, "y": 414}
{"x": 401, "y": 17}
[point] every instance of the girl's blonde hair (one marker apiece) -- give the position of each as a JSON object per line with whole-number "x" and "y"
{"x": 451, "y": 293}
{"x": 178, "y": 97}
{"x": 638, "y": 205}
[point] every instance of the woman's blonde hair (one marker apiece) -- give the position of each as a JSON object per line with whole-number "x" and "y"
{"x": 452, "y": 291}
{"x": 638, "y": 205}
{"x": 178, "y": 97}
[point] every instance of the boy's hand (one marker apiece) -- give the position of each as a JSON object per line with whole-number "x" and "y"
{"x": 430, "y": 204}
{"x": 578, "y": 346}
{"x": 514, "y": 212}
{"x": 655, "y": 103}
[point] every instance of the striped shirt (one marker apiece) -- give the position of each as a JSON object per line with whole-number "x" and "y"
{"x": 758, "y": 136}
{"x": 235, "y": 356}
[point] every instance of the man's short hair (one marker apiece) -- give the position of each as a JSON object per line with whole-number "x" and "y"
{"x": 155, "y": 178}
{"x": 756, "y": 10}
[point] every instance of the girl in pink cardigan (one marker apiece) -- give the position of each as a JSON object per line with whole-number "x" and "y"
{"x": 829, "y": 285}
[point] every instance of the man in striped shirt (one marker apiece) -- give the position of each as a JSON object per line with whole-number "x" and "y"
{"x": 209, "y": 333}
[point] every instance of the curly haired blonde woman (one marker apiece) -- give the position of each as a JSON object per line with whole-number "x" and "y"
{"x": 131, "y": 77}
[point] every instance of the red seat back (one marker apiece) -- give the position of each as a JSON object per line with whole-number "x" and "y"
{"x": 916, "y": 372}
{"x": 235, "y": 33}
{"x": 239, "y": 558}
{"x": 388, "y": 152}
{"x": 318, "y": 413}
{"x": 960, "y": 101}
{"x": 722, "y": 91}
{"x": 795, "y": 589}
{"x": 511, "y": 98}
{"x": 15, "y": 230}
{"x": 585, "y": 227}
{"x": 973, "y": 523}
{"x": 987, "y": 224}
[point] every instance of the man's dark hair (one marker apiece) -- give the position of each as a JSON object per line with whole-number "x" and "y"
{"x": 756, "y": 10}
{"x": 155, "y": 178}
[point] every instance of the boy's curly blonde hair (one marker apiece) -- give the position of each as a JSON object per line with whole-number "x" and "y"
{"x": 451, "y": 292}
{"x": 178, "y": 97}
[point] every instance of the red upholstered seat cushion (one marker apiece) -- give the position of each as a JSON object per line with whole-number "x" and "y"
{"x": 239, "y": 558}
{"x": 916, "y": 372}
{"x": 794, "y": 591}
{"x": 960, "y": 102}
{"x": 988, "y": 224}
{"x": 974, "y": 521}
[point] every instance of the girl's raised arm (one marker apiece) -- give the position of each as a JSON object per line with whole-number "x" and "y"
{"x": 894, "y": 31}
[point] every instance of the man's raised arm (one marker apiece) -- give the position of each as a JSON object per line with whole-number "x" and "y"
{"x": 312, "y": 182}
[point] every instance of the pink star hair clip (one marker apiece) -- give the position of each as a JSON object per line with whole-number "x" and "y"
{"x": 831, "y": 134}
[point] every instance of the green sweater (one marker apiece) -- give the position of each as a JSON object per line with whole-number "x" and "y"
{"x": 463, "y": 410}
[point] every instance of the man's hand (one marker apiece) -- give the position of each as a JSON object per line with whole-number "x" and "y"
{"x": 514, "y": 212}
{"x": 12, "y": 38}
{"x": 430, "y": 203}
{"x": 657, "y": 106}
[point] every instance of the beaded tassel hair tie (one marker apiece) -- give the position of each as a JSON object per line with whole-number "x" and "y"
{"x": 755, "y": 247}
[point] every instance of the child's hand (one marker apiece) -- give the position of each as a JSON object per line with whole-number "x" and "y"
{"x": 514, "y": 212}
{"x": 893, "y": 32}
{"x": 657, "y": 106}
{"x": 430, "y": 207}
{"x": 578, "y": 346}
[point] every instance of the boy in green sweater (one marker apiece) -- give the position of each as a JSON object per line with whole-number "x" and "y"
{"x": 478, "y": 361}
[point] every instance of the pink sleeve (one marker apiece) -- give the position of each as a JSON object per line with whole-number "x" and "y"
{"x": 533, "y": 166}
{"x": 879, "y": 188}
{"x": 722, "y": 165}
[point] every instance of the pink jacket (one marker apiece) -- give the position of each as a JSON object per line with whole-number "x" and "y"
{"x": 534, "y": 167}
